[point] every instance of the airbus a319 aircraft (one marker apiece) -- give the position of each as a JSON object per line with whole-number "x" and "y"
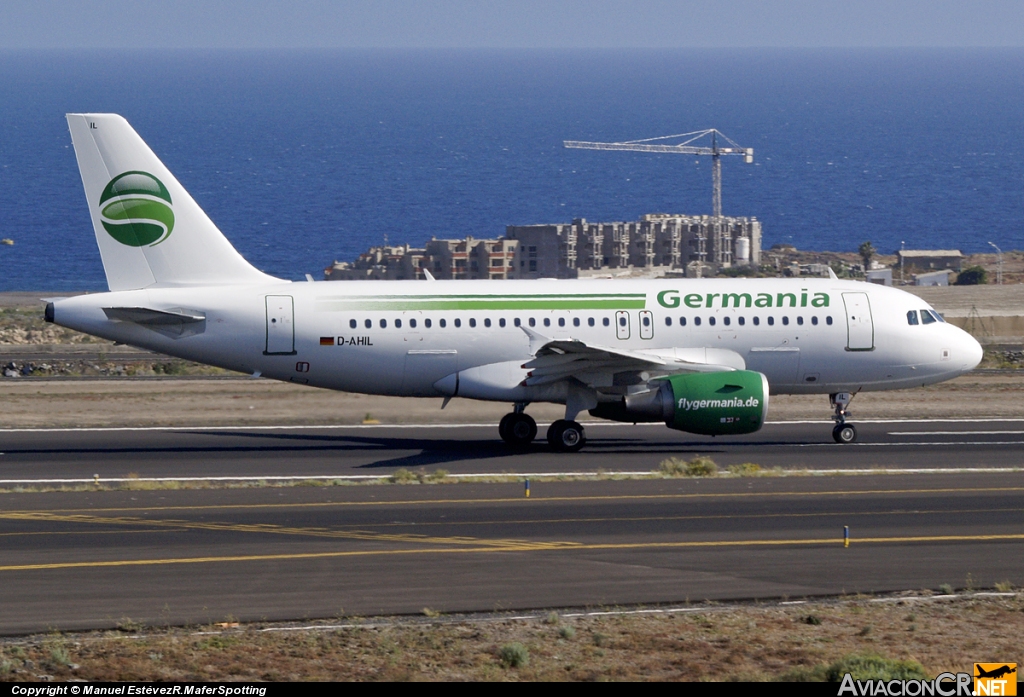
{"x": 700, "y": 355}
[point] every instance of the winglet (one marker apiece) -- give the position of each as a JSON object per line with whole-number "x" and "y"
{"x": 430, "y": 276}
{"x": 832, "y": 274}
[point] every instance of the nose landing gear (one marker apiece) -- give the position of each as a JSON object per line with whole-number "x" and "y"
{"x": 843, "y": 432}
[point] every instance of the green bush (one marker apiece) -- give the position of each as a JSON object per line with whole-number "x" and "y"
{"x": 860, "y": 667}
{"x": 514, "y": 655}
{"x": 972, "y": 276}
{"x": 874, "y": 667}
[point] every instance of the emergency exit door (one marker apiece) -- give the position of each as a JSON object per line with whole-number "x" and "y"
{"x": 280, "y": 325}
{"x": 622, "y": 325}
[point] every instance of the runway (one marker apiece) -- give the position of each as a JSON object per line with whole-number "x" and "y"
{"x": 96, "y": 559}
{"x": 461, "y": 449}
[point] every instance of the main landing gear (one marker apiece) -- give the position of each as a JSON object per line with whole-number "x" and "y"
{"x": 518, "y": 429}
{"x": 843, "y": 432}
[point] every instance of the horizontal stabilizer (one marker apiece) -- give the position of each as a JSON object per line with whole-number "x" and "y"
{"x": 174, "y": 323}
{"x": 143, "y": 315}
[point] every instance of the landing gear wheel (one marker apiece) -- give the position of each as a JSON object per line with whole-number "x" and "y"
{"x": 518, "y": 430}
{"x": 844, "y": 433}
{"x": 566, "y": 436}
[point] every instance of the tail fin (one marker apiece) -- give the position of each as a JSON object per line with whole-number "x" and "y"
{"x": 149, "y": 230}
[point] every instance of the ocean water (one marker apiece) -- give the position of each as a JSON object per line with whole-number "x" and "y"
{"x": 302, "y": 158}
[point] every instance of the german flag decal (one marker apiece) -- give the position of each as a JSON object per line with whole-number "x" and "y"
{"x": 327, "y": 341}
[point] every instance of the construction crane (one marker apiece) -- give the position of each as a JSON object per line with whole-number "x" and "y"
{"x": 683, "y": 148}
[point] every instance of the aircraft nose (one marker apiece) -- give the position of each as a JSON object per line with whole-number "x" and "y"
{"x": 970, "y": 352}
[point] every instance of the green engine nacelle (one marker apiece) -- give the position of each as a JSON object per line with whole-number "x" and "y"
{"x": 711, "y": 404}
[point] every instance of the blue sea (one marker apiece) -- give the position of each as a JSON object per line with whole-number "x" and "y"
{"x": 303, "y": 158}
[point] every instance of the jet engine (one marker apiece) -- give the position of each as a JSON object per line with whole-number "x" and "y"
{"x": 726, "y": 403}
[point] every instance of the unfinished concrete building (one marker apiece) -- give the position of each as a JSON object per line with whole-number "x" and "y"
{"x": 657, "y": 241}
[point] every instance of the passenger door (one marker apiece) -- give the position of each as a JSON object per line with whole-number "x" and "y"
{"x": 280, "y": 326}
{"x": 860, "y": 328}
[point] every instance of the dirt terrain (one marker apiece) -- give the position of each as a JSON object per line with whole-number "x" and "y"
{"x": 919, "y": 634}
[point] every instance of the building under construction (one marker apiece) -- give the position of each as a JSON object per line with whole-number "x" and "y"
{"x": 696, "y": 245}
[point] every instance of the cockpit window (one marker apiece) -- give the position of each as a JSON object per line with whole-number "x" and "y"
{"x": 927, "y": 317}
{"x": 912, "y": 317}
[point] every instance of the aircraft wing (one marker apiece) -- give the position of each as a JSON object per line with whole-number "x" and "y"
{"x": 561, "y": 359}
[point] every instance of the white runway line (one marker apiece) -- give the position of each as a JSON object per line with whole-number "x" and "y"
{"x": 955, "y": 433}
{"x": 335, "y": 427}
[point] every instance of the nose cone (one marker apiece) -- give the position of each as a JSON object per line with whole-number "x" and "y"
{"x": 969, "y": 352}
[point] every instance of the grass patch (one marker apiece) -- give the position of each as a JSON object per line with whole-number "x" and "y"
{"x": 697, "y": 467}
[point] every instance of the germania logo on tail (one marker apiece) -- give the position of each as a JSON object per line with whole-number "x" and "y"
{"x": 137, "y": 211}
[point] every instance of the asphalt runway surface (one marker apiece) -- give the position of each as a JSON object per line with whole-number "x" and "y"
{"x": 88, "y": 559}
{"x": 105, "y": 558}
{"x": 461, "y": 449}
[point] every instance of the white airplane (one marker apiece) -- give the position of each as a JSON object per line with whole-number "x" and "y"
{"x": 700, "y": 355}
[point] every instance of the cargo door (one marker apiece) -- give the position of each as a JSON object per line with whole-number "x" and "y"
{"x": 280, "y": 325}
{"x": 424, "y": 367}
{"x": 622, "y": 325}
{"x": 646, "y": 324}
{"x": 860, "y": 328}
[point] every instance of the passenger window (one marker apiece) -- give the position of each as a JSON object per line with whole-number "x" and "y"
{"x": 561, "y": 321}
{"x": 352, "y": 323}
{"x": 575, "y": 321}
{"x": 458, "y": 322}
{"x": 682, "y": 321}
{"x": 590, "y": 321}
{"x": 800, "y": 320}
{"x": 533, "y": 322}
{"x": 912, "y": 317}
{"x": 726, "y": 321}
{"x": 814, "y": 321}
{"x": 501, "y": 322}
{"x": 646, "y": 321}
{"x": 696, "y": 321}
{"x": 398, "y": 324}
{"x": 487, "y": 321}
{"x": 516, "y": 321}
{"x": 622, "y": 321}
{"x": 442, "y": 323}
{"x": 711, "y": 321}
{"x": 771, "y": 321}
{"x": 412, "y": 323}
{"x": 926, "y": 317}
{"x": 383, "y": 324}
{"x": 743, "y": 320}
{"x": 668, "y": 321}
{"x": 828, "y": 320}
{"x": 605, "y": 321}
{"x": 368, "y": 323}
{"x": 547, "y": 321}
{"x": 472, "y": 322}
{"x": 785, "y": 321}
{"x": 426, "y": 323}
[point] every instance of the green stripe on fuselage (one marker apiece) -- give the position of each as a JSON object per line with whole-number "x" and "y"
{"x": 630, "y": 301}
